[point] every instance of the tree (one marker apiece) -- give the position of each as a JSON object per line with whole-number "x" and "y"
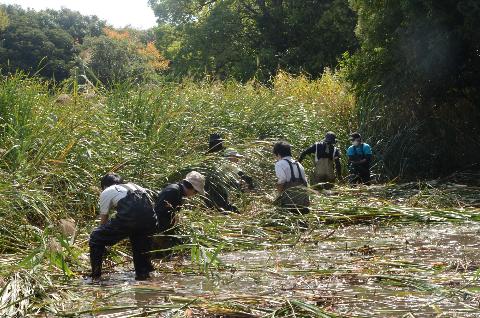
{"x": 25, "y": 45}
{"x": 415, "y": 78}
{"x": 75, "y": 24}
{"x": 119, "y": 57}
{"x": 247, "y": 38}
{"x": 43, "y": 42}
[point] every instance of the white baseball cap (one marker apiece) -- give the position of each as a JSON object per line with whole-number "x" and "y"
{"x": 197, "y": 180}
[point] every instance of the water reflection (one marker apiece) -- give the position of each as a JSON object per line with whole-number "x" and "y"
{"x": 360, "y": 270}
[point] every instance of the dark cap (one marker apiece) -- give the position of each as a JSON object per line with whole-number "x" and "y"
{"x": 330, "y": 138}
{"x": 215, "y": 137}
{"x": 355, "y": 135}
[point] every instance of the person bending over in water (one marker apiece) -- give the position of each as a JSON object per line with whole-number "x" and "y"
{"x": 137, "y": 218}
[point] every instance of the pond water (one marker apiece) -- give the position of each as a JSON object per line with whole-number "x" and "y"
{"x": 398, "y": 270}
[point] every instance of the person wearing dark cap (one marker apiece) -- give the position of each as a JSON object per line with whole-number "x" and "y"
{"x": 215, "y": 143}
{"x": 217, "y": 181}
{"x": 245, "y": 181}
{"x": 327, "y": 157}
{"x": 359, "y": 159}
{"x": 137, "y": 218}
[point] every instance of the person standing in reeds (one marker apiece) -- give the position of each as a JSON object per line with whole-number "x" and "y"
{"x": 136, "y": 218}
{"x": 327, "y": 157}
{"x": 292, "y": 182}
{"x": 359, "y": 159}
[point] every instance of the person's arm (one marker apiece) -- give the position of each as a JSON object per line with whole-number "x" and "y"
{"x": 338, "y": 168}
{"x": 103, "y": 219}
{"x": 350, "y": 156}
{"x": 338, "y": 165}
{"x": 165, "y": 206}
{"x": 165, "y": 202}
{"x": 367, "y": 159}
{"x": 368, "y": 153}
{"x": 105, "y": 204}
{"x": 282, "y": 177}
{"x": 306, "y": 152}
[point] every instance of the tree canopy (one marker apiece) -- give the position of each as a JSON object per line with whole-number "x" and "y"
{"x": 44, "y": 42}
{"x": 53, "y": 44}
{"x": 416, "y": 76}
{"x": 253, "y": 38}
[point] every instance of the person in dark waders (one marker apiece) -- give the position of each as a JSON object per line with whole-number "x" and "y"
{"x": 359, "y": 159}
{"x": 217, "y": 181}
{"x": 292, "y": 182}
{"x": 136, "y": 218}
{"x": 326, "y": 157}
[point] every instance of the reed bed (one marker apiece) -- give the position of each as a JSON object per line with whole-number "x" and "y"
{"x": 53, "y": 153}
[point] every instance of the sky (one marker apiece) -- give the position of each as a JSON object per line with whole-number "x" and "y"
{"x": 118, "y": 13}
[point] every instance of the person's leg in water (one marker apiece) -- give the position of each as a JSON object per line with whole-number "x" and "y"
{"x": 105, "y": 235}
{"x": 354, "y": 177}
{"x": 364, "y": 175}
{"x": 141, "y": 247}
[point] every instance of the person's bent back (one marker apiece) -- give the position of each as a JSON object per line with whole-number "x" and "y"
{"x": 135, "y": 219}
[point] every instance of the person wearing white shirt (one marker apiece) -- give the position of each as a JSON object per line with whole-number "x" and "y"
{"x": 137, "y": 218}
{"x": 292, "y": 182}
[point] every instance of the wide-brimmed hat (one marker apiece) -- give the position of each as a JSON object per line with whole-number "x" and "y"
{"x": 230, "y": 152}
{"x": 197, "y": 180}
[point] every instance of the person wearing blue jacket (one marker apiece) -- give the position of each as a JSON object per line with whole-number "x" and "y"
{"x": 359, "y": 159}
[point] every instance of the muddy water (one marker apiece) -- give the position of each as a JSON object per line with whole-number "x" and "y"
{"x": 426, "y": 270}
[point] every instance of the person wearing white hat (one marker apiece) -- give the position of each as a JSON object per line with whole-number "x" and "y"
{"x": 234, "y": 157}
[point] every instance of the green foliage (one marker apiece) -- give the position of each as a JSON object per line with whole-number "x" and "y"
{"x": 54, "y": 150}
{"x": 115, "y": 61}
{"x": 418, "y": 95}
{"x": 78, "y": 26}
{"x": 4, "y": 21}
{"x": 43, "y": 42}
{"x": 243, "y": 39}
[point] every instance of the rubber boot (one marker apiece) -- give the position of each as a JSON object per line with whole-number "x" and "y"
{"x": 96, "y": 259}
